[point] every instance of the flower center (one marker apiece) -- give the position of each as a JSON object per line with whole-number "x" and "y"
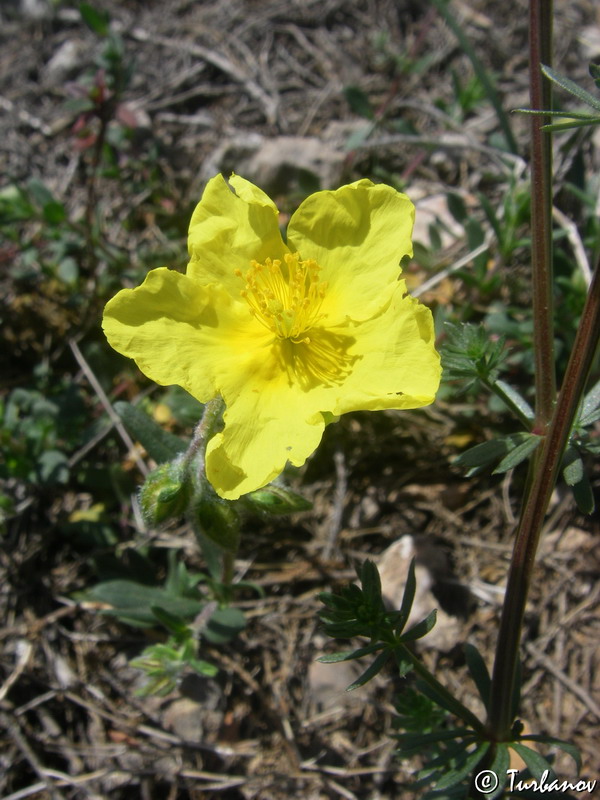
{"x": 285, "y": 298}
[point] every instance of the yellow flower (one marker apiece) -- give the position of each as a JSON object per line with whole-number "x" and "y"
{"x": 288, "y": 333}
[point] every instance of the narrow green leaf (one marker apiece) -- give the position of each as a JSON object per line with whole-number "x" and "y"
{"x": 567, "y": 747}
{"x": 565, "y": 126}
{"x": 455, "y": 776}
{"x": 500, "y": 766}
{"x": 371, "y": 583}
{"x": 481, "y": 455}
{"x": 421, "y": 628}
{"x": 349, "y": 655}
{"x": 97, "y": 21}
{"x": 371, "y": 671}
{"x": 479, "y": 672}
{"x": 516, "y": 398}
{"x": 407, "y": 598}
{"x": 535, "y": 762}
{"x": 160, "y": 444}
{"x": 456, "y": 206}
{"x": 423, "y": 739}
{"x": 443, "y": 9}
{"x": 518, "y": 454}
{"x": 569, "y": 86}
{"x": 583, "y": 115}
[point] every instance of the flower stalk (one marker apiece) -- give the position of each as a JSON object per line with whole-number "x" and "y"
{"x": 556, "y": 422}
{"x": 540, "y": 90}
{"x": 528, "y": 532}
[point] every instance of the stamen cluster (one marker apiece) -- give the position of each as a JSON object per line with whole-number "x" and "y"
{"x": 286, "y": 301}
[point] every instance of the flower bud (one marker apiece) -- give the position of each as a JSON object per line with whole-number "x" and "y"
{"x": 275, "y": 499}
{"x": 164, "y": 494}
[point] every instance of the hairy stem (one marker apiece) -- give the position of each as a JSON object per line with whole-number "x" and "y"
{"x": 544, "y": 478}
{"x": 540, "y": 90}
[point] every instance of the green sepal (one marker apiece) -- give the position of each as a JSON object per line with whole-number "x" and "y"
{"x": 218, "y": 521}
{"x": 164, "y": 494}
{"x": 275, "y": 499}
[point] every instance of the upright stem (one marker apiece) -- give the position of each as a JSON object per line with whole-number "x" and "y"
{"x": 532, "y": 516}
{"x": 540, "y": 52}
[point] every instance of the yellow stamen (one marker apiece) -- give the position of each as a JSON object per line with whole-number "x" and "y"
{"x": 286, "y": 301}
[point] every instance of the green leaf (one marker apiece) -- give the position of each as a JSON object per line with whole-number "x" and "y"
{"x": 583, "y": 495}
{"x": 97, "y": 21}
{"x": 500, "y": 766}
{"x": 573, "y": 470}
{"x": 349, "y": 655}
{"x": 172, "y": 622}
{"x": 358, "y": 102}
{"x": 224, "y": 625}
{"x": 54, "y": 212}
{"x": 571, "y": 87}
{"x": 486, "y": 453}
{"x": 591, "y": 403}
{"x": 421, "y": 628}
{"x": 132, "y": 602}
{"x": 159, "y": 444}
{"x": 455, "y": 776}
{"x": 567, "y": 747}
{"x": 53, "y": 467}
{"x": 203, "y": 668}
{"x": 371, "y": 671}
{"x": 456, "y": 206}
{"x": 516, "y": 398}
{"x": 535, "y": 762}
{"x": 518, "y": 453}
{"x": 479, "y": 672}
{"x": 565, "y": 126}
{"x": 421, "y": 740}
{"x": 40, "y": 192}
{"x": 408, "y": 597}
{"x": 371, "y": 584}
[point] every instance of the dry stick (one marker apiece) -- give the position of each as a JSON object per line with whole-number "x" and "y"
{"x": 528, "y": 533}
{"x": 114, "y": 417}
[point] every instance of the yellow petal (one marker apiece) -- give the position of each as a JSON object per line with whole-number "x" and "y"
{"x": 228, "y": 230}
{"x": 181, "y": 332}
{"x": 394, "y": 361}
{"x": 357, "y": 234}
{"x": 268, "y": 422}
